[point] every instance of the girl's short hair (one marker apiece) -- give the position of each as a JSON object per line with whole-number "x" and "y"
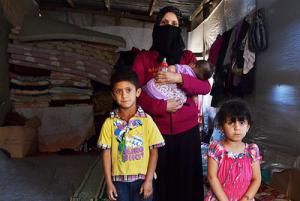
{"x": 124, "y": 75}
{"x": 236, "y": 109}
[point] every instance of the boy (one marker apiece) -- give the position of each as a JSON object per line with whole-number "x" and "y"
{"x": 129, "y": 139}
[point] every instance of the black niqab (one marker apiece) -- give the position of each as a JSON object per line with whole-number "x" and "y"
{"x": 167, "y": 39}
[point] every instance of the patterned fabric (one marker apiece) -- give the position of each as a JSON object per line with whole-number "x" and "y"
{"x": 130, "y": 143}
{"x": 128, "y": 178}
{"x": 234, "y": 169}
{"x": 169, "y": 91}
{"x": 140, "y": 113}
{"x": 164, "y": 91}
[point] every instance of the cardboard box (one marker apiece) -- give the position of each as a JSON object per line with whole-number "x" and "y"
{"x": 19, "y": 141}
{"x": 287, "y": 182}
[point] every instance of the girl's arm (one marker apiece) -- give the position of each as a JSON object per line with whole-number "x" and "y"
{"x": 111, "y": 189}
{"x": 146, "y": 188}
{"x": 214, "y": 182}
{"x": 255, "y": 182}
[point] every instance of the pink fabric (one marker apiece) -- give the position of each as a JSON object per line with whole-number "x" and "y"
{"x": 185, "y": 69}
{"x": 169, "y": 91}
{"x": 146, "y": 66}
{"x": 164, "y": 91}
{"x": 234, "y": 171}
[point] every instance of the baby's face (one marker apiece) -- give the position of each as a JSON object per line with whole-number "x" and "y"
{"x": 172, "y": 68}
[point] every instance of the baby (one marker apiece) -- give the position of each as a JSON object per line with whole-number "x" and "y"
{"x": 201, "y": 69}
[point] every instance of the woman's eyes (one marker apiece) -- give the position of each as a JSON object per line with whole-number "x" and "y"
{"x": 173, "y": 23}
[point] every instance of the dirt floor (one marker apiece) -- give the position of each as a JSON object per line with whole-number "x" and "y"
{"x": 51, "y": 177}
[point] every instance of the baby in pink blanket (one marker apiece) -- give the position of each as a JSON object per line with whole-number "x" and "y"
{"x": 201, "y": 69}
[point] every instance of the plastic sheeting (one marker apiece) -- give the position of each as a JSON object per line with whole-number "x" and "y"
{"x": 277, "y": 95}
{"x": 225, "y": 16}
{"x": 195, "y": 39}
{"x": 235, "y": 10}
{"x": 214, "y": 25}
{"x": 276, "y": 99}
{"x": 208, "y": 30}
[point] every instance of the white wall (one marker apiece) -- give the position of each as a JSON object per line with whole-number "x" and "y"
{"x": 136, "y": 33}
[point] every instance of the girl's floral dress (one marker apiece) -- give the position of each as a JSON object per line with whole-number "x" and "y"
{"x": 234, "y": 169}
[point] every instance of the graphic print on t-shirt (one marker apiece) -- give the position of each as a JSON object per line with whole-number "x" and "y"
{"x": 130, "y": 143}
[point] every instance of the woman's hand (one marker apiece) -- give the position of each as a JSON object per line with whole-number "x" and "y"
{"x": 173, "y": 105}
{"x": 168, "y": 78}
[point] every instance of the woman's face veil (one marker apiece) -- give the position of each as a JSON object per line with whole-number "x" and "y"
{"x": 167, "y": 39}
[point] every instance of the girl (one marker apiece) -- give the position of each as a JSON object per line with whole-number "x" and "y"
{"x": 233, "y": 166}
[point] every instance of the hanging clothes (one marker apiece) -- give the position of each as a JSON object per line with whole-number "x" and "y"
{"x": 234, "y": 75}
{"x": 218, "y": 93}
{"x": 215, "y": 49}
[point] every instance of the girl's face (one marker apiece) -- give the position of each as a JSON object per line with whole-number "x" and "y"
{"x": 125, "y": 94}
{"x": 236, "y": 130}
{"x": 169, "y": 19}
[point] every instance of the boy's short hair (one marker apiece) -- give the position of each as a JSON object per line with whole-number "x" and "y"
{"x": 124, "y": 75}
{"x": 208, "y": 69}
{"x": 236, "y": 109}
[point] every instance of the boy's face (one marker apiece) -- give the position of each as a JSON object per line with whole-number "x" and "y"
{"x": 125, "y": 94}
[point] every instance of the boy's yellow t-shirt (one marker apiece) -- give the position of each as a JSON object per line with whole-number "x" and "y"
{"x": 130, "y": 142}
